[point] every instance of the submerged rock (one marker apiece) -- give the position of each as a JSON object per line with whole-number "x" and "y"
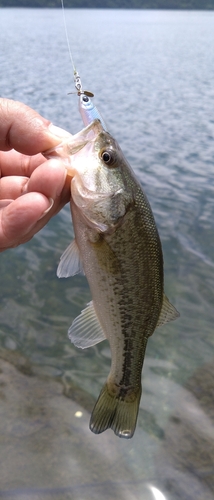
{"x": 186, "y": 460}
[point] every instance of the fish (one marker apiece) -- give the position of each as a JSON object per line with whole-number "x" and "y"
{"x": 118, "y": 248}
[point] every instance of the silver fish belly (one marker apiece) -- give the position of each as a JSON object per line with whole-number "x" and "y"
{"x": 118, "y": 246}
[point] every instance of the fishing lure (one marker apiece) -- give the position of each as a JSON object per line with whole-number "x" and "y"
{"x": 87, "y": 109}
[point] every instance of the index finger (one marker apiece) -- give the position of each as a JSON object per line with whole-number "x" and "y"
{"x": 25, "y": 130}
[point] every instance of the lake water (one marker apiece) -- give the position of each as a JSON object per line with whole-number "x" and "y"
{"x": 152, "y": 74}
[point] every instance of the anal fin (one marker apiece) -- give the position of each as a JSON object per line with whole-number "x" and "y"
{"x": 86, "y": 330}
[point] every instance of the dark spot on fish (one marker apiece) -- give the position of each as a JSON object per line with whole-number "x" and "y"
{"x": 123, "y": 393}
{"x": 175, "y": 420}
{"x": 94, "y": 237}
{"x": 127, "y": 363}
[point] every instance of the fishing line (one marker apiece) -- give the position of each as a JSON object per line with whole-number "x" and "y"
{"x": 66, "y": 34}
{"x": 88, "y": 111}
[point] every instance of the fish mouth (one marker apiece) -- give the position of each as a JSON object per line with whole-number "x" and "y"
{"x": 74, "y": 144}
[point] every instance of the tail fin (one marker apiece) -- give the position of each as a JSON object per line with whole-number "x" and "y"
{"x": 115, "y": 413}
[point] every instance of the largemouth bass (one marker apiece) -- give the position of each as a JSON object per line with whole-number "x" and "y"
{"x": 118, "y": 247}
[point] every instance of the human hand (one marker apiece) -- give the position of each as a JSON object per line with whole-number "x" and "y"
{"x": 32, "y": 189}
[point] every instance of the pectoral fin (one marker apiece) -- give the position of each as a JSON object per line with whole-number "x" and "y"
{"x": 86, "y": 330}
{"x": 168, "y": 312}
{"x": 70, "y": 262}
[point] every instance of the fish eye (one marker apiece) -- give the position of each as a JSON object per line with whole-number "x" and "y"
{"x": 108, "y": 157}
{"x": 85, "y": 98}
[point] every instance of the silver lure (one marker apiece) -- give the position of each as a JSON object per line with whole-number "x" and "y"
{"x": 87, "y": 109}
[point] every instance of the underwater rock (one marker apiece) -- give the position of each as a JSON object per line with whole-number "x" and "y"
{"x": 186, "y": 460}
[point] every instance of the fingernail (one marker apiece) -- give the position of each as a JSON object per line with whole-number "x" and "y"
{"x": 5, "y": 203}
{"x": 47, "y": 209}
{"x": 59, "y": 132}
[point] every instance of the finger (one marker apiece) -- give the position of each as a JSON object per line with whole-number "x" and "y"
{"x": 14, "y": 163}
{"x": 19, "y": 217}
{"x": 23, "y": 129}
{"x": 48, "y": 179}
{"x": 12, "y": 187}
{"x": 5, "y": 203}
{"x": 25, "y": 216}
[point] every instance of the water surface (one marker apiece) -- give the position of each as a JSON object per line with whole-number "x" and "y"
{"x": 152, "y": 75}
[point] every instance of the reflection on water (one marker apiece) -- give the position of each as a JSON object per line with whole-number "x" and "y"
{"x": 163, "y": 123}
